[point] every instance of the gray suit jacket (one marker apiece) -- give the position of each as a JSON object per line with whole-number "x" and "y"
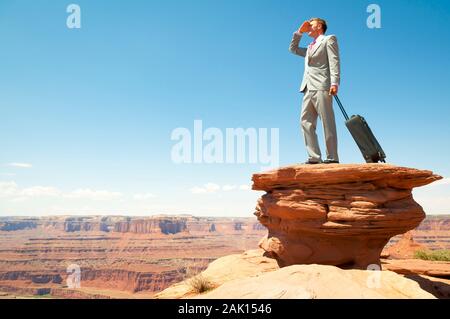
{"x": 322, "y": 65}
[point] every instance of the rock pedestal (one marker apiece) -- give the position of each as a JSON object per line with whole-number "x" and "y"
{"x": 340, "y": 215}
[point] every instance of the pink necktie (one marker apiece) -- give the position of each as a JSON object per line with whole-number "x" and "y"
{"x": 311, "y": 45}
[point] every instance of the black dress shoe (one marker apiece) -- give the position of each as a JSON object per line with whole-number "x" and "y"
{"x": 311, "y": 162}
{"x": 330, "y": 162}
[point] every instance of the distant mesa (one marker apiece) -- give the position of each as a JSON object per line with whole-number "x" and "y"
{"x": 158, "y": 224}
{"x": 164, "y": 225}
{"x": 341, "y": 215}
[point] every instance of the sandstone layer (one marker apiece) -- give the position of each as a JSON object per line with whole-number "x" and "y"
{"x": 340, "y": 215}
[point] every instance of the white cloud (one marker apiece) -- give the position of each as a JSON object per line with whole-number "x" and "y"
{"x": 20, "y": 165}
{"x": 8, "y": 189}
{"x": 245, "y": 187}
{"x": 143, "y": 196}
{"x": 39, "y": 191}
{"x": 228, "y": 188}
{"x": 210, "y": 188}
{"x": 15, "y": 193}
{"x": 87, "y": 193}
{"x": 12, "y": 190}
{"x": 206, "y": 189}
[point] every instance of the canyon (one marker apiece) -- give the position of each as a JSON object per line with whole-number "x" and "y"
{"x": 118, "y": 256}
{"x": 135, "y": 257}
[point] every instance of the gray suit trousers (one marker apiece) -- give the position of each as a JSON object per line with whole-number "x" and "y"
{"x": 319, "y": 104}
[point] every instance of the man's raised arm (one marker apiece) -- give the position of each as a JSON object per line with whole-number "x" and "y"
{"x": 297, "y": 36}
{"x": 294, "y": 48}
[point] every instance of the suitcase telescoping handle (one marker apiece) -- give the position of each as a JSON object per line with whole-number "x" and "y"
{"x": 341, "y": 107}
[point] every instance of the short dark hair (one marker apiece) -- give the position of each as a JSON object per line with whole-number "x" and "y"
{"x": 322, "y": 22}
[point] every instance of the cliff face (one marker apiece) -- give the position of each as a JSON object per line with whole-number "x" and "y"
{"x": 129, "y": 280}
{"x": 17, "y": 225}
{"x": 34, "y": 277}
{"x": 153, "y": 225}
{"x": 441, "y": 223}
{"x": 337, "y": 214}
{"x": 74, "y": 226}
{"x": 230, "y": 225}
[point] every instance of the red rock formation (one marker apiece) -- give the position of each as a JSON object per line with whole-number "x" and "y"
{"x": 405, "y": 248}
{"x": 337, "y": 214}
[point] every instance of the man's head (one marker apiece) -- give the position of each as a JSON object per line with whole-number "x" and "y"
{"x": 318, "y": 27}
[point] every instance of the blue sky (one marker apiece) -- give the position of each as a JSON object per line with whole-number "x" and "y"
{"x": 90, "y": 111}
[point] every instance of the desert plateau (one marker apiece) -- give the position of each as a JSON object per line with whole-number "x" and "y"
{"x": 315, "y": 230}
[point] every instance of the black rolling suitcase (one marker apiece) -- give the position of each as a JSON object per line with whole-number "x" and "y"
{"x": 363, "y": 136}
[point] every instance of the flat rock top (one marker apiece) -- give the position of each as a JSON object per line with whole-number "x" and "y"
{"x": 298, "y": 176}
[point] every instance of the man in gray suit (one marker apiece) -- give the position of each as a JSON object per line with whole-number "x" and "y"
{"x": 320, "y": 82}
